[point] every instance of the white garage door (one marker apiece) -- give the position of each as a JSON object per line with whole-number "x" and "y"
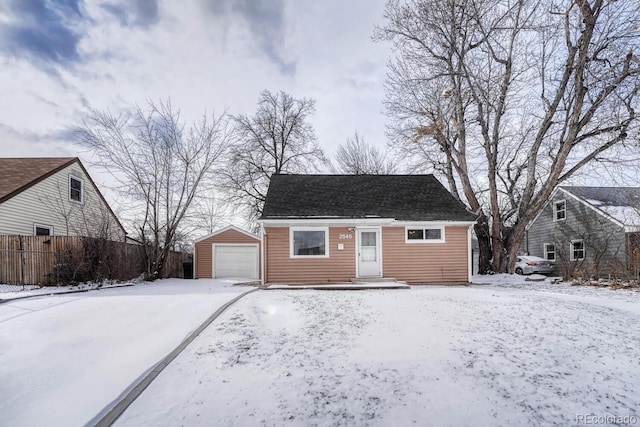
{"x": 235, "y": 261}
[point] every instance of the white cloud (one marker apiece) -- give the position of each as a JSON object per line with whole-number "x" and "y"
{"x": 203, "y": 58}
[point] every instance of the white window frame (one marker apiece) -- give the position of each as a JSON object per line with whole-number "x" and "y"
{"x": 556, "y": 210}
{"x": 571, "y": 250}
{"x": 424, "y": 227}
{"x": 545, "y": 251}
{"x": 326, "y": 242}
{"x": 50, "y": 227}
{"x": 81, "y": 201}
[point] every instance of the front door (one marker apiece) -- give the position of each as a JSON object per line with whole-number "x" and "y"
{"x": 369, "y": 252}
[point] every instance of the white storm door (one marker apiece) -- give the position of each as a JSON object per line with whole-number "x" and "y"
{"x": 369, "y": 252}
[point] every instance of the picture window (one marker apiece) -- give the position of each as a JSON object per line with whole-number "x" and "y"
{"x": 312, "y": 242}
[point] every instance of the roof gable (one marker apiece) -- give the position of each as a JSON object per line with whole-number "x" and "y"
{"x": 18, "y": 174}
{"x": 401, "y": 197}
{"x": 228, "y": 228}
{"x": 21, "y": 173}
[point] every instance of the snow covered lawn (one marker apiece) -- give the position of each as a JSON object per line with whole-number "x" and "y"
{"x": 64, "y": 358}
{"x": 482, "y": 355}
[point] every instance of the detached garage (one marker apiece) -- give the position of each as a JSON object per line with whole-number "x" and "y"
{"x": 229, "y": 252}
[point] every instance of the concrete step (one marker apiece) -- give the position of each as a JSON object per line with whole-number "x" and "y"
{"x": 372, "y": 279}
{"x": 343, "y": 286}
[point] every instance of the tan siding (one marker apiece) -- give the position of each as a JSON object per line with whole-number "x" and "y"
{"x": 47, "y": 203}
{"x": 425, "y": 262}
{"x": 281, "y": 268}
{"x": 203, "y": 251}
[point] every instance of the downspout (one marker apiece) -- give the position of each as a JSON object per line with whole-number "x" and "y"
{"x": 469, "y": 255}
{"x": 262, "y": 255}
{"x": 195, "y": 258}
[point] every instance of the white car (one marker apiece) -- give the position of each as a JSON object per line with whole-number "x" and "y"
{"x": 527, "y": 264}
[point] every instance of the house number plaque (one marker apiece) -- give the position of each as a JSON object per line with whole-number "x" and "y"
{"x": 345, "y": 236}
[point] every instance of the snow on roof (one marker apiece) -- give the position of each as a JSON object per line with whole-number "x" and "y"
{"x": 620, "y": 203}
{"x": 594, "y": 202}
{"x": 628, "y": 215}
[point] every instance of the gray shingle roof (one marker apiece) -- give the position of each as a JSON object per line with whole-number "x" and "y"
{"x": 612, "y": 196}
{"x": 621, "y": 203}
{"x": 402, "y": 197}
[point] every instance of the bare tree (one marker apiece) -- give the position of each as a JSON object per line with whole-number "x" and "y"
{"x": 600, "y": 246}
{"x": 91, "y": 218}
{"x": 208, "y": 215}
{"x": 507, "y": 99}
{"x": 59, "y": 207}
{"x": 633, "y": 254}
{"x": 91, "y": 256}
{"x": 158, "y": 162}
{"x": 277, "y": 139}
{"x": 357, "y": 157}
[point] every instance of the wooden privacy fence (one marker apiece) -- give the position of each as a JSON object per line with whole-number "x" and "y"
{"x": 51, "y": 260}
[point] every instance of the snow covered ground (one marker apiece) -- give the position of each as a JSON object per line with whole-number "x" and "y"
{"x": 64, "y": 358}
{"x": 604, "y": 295}
{"x": 502, "y": 354}
{"x": 9, "y": 292}
{"x": 509, "y": 352}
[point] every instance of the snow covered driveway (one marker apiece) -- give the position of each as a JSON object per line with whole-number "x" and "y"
{"x": 426, "y": 356}
{"x": 64, "y": 358}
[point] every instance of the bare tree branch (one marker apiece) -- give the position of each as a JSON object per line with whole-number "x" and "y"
{"x": 506, "y": 99}
{"x": 277, "y": 139}
{"x": 159, "y": 163}
{"x": 357, "y": 157}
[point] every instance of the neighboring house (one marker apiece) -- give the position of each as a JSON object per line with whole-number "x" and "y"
{"x": 334, "y": 228}
{"x": 53, "y": 196}
{"x": 229, "y": 252}
{"x": 592, "y": 231}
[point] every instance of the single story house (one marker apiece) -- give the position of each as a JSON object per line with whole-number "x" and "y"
{"x": 47, "y": 196}
{"x": 229, "y": 252}
{"x": 334, "y": 228}
{"x": 592, "y": 231}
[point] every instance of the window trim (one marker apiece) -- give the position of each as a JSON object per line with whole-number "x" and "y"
{"x": 571, "y": 250}
{"x": 545, "y": 251}
{"x": 81, "y": 201}
{"x": 36, "y": 225}
{"x": 555, "y": 210}
{"x": 424, "y": 227}
{"x": 310, "y": 228}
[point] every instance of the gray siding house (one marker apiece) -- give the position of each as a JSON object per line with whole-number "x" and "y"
{"x": 588, "y": 231}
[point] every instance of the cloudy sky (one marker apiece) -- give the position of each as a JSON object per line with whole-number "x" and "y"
{"x": 59, "y": 58}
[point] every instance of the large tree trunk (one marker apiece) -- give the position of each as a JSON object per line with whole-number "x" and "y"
{"x": 484, "y": 242}
{"x": 157, "y": 268}
{"x": 513, "y": 240}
